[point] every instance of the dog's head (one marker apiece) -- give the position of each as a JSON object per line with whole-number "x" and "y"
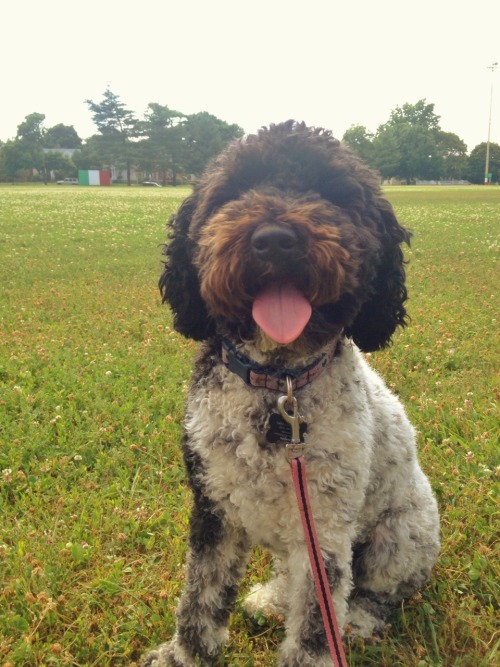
{"x": 288, "y": 239}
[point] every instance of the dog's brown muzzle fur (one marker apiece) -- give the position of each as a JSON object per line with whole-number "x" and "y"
{"x": 267, "y": 237}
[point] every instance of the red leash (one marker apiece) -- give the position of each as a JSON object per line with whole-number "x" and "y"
{"x": 295, "y": 454}
{"x": 333, "y": 635}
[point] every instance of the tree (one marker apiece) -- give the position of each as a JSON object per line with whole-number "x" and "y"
{"x": 175, "y": 142}
{"x": 205, "y": 136}
{"x": 419, "y": 114}
{"x": 26, "y": 151}
{"x": 477, "y": 162}
{"x": 59, "y": 164}
{"x": 117, "y": 126}
{"x": 453, "y": 153}
{"x": 30, "y": 139}
{"x": 419, "y": 154}
{"x": 93, "y": 154}
{"x": 62, "y": 136}
{"x": 360, "y": 140}
{"x": 414, "y": 129}
{"x": 386, "y": 156}
{"x": 161, "y": 150}
{"x": 16, "y": 157}
{"x": 31, "y": 130}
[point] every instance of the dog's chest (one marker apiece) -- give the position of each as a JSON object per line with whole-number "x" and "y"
{"x": 232, "y": 430}
{"x": 244, "y": 469}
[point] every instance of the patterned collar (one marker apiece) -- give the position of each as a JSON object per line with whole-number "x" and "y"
{"x": 267, "y": 377}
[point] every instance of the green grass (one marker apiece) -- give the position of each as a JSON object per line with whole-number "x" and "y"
{"x": 93, "y": 498}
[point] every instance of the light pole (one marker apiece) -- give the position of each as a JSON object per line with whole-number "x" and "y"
{"x": 487, "y": 177}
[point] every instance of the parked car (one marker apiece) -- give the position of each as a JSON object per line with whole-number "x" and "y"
{"x": 151, "y": 184}
{"x": 68, "y": 181}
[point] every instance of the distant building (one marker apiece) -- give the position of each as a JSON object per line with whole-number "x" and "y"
{"x": 67, "y": 152}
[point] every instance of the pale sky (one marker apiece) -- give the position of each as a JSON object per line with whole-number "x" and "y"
{"x": 253, "y": 62}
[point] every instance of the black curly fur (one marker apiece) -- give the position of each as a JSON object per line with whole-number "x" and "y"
{"x": 293, "y": 158}
{"x": 179, "y": 284}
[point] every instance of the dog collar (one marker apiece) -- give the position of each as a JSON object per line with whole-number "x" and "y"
{"x": 267, "y": 377}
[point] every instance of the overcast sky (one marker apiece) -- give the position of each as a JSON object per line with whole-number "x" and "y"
{"x": 253, "y": 62}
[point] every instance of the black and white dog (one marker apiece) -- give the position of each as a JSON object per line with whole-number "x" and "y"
{"x": 286, "y": 260}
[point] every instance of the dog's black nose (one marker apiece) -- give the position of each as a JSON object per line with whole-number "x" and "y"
{"x": 272, "y": 242}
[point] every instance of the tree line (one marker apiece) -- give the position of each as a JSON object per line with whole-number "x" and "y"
{"x": 164, "y": 142}
{"x": 411, "y": 145}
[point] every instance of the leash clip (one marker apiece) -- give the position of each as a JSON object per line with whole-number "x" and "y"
{"x": 295, "y": 447}
{"x": 293, "y": 451}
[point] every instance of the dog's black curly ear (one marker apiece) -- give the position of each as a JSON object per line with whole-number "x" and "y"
{"x": 179, "y": 285}
{"x": 384, "y": 310}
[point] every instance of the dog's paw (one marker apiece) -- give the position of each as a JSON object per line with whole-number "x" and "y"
{"x": 361, "y": 622}
{"x": 160, "y": 657}
{"x": 300, "y": 658}
{"x": 167, "y": 655}
{"x": 269, "y": 600}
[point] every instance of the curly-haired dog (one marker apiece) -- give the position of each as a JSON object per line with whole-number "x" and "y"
{"x": 285, "y": 260}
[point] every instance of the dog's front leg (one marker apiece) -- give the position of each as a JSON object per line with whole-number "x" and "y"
{"x": 216, "y": 562}
{"x": 306, "y": 644}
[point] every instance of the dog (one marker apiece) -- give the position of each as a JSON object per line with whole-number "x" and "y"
{"x": 286, "y": 262}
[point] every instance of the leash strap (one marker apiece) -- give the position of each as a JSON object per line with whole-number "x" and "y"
{"x": 298, "y": 468}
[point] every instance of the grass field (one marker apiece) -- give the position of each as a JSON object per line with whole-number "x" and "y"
{"x": 93, "y": 500}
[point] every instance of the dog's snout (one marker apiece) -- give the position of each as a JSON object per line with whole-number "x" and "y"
{"x": 273, "y": 242}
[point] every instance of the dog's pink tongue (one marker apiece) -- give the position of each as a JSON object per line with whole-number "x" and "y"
{"x": 282, "y": 312}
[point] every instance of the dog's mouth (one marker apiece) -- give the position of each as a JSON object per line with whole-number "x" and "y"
{"x": 282, "y": 312}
